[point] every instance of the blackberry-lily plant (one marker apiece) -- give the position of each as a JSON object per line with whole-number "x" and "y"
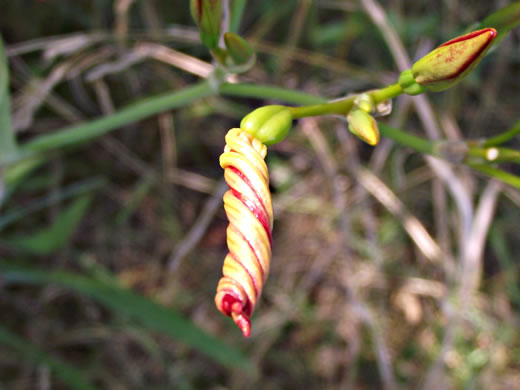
{"x": 248, "y": 203}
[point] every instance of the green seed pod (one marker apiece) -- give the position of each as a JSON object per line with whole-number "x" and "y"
{"x": 452, "y": 61}
{"x": 241, "y": 55}
{"x": 362, "y": 125}
{"x": 208, "y": 16}
{"x": 269, "y": 124}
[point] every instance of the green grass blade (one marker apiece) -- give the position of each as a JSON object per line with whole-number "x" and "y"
{"x": 8, "y": 147}
{"x": 506, "y": 261}
{"x": 68, "y": 374}
{"x": 58, "y": 234}
{"x": 503, "y": 20}
{"x": 497, "y": 173}
{"x": 237, "y": 10}
{"x": 71, "y": 191}
{"x": 503, "y": 137}
{"x": 150, "y": 314}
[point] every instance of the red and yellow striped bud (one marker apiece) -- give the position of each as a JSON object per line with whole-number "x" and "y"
{"x": 249, "y": 210}
{"x": 452, "y": 61}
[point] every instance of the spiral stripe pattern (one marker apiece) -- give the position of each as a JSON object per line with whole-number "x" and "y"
{"x": 250, "y": 213}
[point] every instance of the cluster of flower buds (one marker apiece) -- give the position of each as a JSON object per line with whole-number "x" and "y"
{"x": 248, "y": 203}
{"x": 361, "y": 123}
{"x": 448, "y": 64}
{"x": 237, "y": 55}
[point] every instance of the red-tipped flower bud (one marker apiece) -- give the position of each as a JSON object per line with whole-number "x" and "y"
{"x": 452, "y": 61}
{"x": 269, "y": 124}
{"x": 208, "y": 16}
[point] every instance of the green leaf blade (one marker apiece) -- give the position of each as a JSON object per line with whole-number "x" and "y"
{"x": 66, "y": 373}
{"x": 147, "y": 312}
{"x": 8, "y": 148}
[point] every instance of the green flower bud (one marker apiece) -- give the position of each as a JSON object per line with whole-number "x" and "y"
{"x": 269, "y": 124}
{"x": 452, "y": 61}
{"x": 362, "y": 125}
{"x": 241, "y": 55}
{"x": 365, "y": 102}
{"x": 208, "y": 16}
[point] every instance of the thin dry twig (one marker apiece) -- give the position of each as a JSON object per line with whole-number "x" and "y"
{"x": 472, "y": 266}
{"x": 175, "y": 58}
{"x": 411, "y": 224}
{"x": 168, "y": 142}
{"x": 121, "y": 8}
{"x": 469, "y": 278}
{"x": 195, "y": 234}
{"x": 30, "y": 99}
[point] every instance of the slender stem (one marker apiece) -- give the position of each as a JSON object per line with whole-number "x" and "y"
{"x": 389, "y": 92}
{"x": 269, "y": 92}
{"x": 504, "y": 137}
{"x": 69, "y": 192}
{"x": 134, "y": 112}
{"x": 8, "y": 145}
{"x": 503, "y": 20}
{"x": 494, "y": 154}
{"x": 497, "y": 173}
{"x": 339, "y": 107}
{"x": 416, "y": 143}
{"x": 343, "y": 106}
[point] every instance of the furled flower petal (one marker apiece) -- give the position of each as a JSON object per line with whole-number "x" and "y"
{"x": 249, "y": 210}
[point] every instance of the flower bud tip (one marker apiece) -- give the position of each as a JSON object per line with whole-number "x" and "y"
{"x": 453, "y": 60}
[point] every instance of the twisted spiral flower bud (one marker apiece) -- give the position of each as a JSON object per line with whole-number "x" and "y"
{"x": 249, "y": 210}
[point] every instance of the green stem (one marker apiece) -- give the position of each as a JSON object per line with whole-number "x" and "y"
{"x": 494, "y": 154}
{"x": 504, "y": 137}
{"x": 497, "y": 173}
{"x": 8, "y": 145}
{"x": 416, "y": 143}
{"x": 269, "y": 92}
{"x": 134, "y": 112}
{"x": 343, "y": 106}
{"x": 339, "y": 107}
{"x": 389, "y": 92}
{"x": 503, "y": 20}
